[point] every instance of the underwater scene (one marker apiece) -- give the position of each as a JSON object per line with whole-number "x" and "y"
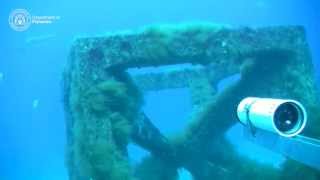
{"x": 160, "y": 90}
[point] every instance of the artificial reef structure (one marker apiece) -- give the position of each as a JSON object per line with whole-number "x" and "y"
{"x": 103, "y": 101}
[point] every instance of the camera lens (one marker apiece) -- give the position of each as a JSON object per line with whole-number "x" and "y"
{"x": 286, "y": 117}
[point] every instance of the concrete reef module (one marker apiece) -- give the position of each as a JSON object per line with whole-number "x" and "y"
{"x": 103, "y": 101}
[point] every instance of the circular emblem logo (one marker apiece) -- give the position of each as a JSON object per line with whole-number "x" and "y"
{"x": 19, "y": 19}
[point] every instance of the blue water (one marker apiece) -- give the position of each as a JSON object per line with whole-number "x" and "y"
{"x": 32, "y": 129}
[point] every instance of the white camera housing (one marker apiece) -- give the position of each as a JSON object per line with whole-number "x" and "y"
{"x": 283, "y": 116}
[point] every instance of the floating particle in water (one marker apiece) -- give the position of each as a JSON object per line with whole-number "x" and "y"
{"x": 1, "y": 76}
{"x": 261, "y": 4}
{"x": 184, "y": 174}
{"x": 39, "y": 39}
{"x": 223, "y": 44}
{"x": 35, "y": 104}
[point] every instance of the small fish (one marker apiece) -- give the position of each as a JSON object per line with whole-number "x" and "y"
{"x": 35, "y": 103}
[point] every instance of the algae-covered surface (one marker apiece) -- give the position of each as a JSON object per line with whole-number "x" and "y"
{"x": 103, "y": 101}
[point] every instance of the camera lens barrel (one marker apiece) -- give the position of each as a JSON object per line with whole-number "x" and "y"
{"x": 283, "y": 116}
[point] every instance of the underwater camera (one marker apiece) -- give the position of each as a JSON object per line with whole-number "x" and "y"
{"x": 282, "y": 116}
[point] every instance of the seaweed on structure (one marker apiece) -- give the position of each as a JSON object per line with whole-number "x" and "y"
{"x": 132, "y": 89}
{"x": 201, "y": 91}
{"x": 241, "y": 170}
{"x": 96, "y": 155}
{"x": 110, "y": 96}
{"x": 121, "y": 130}
{"x": 102, "y": 131}
{"x": 102, "y": 161}
{"x": 112, "y": 100}
{"x": 167, "y": 43}
{"x": 155, "y": 168}
{"x": 295, "y": 170}
{"x": 156, "y": 49}
{"x": 313, "y": 125}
